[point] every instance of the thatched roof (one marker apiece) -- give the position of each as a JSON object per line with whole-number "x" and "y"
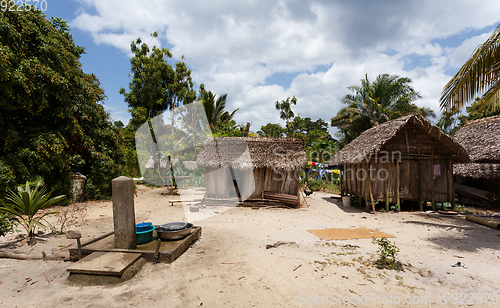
{"x": 373, "y": 140}
{"x": 481, "y": 139}
{"x": 253, "y": 152}
{"x": 477, "y": 170}
{"x": 190, "y": 165}
{"x": 151, "y": 163}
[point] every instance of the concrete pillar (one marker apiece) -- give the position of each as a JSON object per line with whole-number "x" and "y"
{"x": 123, "y": 212}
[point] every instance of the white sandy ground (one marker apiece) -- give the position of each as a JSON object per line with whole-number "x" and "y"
{"x": 229, "y": 266}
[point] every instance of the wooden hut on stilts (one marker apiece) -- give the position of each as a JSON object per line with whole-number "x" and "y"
{"x": 252, "y": 169}
{"x": 406, "y": 159}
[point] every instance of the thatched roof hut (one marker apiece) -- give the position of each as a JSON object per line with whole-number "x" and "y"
{"x": 374, "y": 140}
{"x": 408, "y": 158}
{"x": 481, "y": 139}
{"x": 260, "y": 166}
{"x": 264, "y": 152}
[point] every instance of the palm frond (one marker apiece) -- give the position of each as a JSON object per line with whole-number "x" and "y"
{"x": 480, "y": 73}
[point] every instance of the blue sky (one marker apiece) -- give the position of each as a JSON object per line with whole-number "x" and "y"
{"x": 261, "y": 51}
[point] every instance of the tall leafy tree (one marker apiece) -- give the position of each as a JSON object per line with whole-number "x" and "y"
{"x": 372, "y": 103}
{"x": 51, "y": 119}
{"x": 156, "y": 86}
{"x": 180, "y": 88}
{"x": 479, "y": 75}
{"x": 151, "y": 73}
{"x": 285, "y": 109}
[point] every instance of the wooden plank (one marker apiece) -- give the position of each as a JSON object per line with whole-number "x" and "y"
{"x": 104, "y": 263}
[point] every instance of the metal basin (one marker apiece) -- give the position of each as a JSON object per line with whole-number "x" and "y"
{"x": 172, "y": 235}
{"x": 174, "y": 226}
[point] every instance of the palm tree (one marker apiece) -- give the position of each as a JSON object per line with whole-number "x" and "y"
{"x": 214, "y": 108}
{"x": 372, "y": 103}
{"x": 480, "y": 73}
{"x": 25, "y": 204}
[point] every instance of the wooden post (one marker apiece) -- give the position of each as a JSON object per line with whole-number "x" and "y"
{"x": 398, "y": 201}
{"x": 370, "y": 188}
{"x": 341, "y": 182}
{"x": 366, "y": 186}
{"x": 419, "y": 166}
{"x": 450, "y": 185}
{"x": 420, "y": 199}
{"x": 386, "y": 194}
{"x": 433, "y": 186}
{"x": 407, "y": 171}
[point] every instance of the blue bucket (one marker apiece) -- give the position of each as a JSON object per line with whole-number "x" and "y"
{"x": 144, "y": 237}
{"x": 143, "y": 226}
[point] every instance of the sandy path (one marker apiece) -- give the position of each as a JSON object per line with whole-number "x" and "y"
{"x": 230, "y": 266}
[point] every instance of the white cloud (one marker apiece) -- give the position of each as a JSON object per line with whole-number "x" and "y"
{"x": 232, "y": 46}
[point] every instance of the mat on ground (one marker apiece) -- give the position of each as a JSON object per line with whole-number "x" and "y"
{"x": 348, "y": 233}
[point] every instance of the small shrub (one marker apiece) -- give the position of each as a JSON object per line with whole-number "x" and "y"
{"x": 387, "y": 254}
{"x": 71, "y": 216}
{"x": 7, "y": 223}
{"x": 396, "y": 207}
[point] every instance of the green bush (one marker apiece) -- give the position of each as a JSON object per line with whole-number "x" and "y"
{"x": 314, "y": 184}
{"x": 387, "y": 254}
{"x": 7, "y": 223}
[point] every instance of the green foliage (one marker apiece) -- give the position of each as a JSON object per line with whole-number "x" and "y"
{"x": 156, "y": 86}
{"x": 448, "y": 122}
{"x": 479, "y": 75}
{"x": 271, "y": 130}
{"x": 387, "y": 253}
{"x": 314, "y": 184}
{"x": 218, "y": 118}
{"x": 318, "y": 184}
{"x": 24, "y": 205}
{"x": 451, "y": 121}
{"x": 388, "y": 97}
{"x": 395, "y": 207}
{"x": 7, "y": 223}
{"x": 50, "y": 117}
{"x": 228, "y": 130}
{"x": 285, "y": 109}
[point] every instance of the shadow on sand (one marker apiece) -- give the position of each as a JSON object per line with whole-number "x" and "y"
{"x": 471, "y": 237}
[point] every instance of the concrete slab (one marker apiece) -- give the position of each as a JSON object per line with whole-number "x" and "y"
{"x": 104, "y": 263}
{"x": 169, "y": 250}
